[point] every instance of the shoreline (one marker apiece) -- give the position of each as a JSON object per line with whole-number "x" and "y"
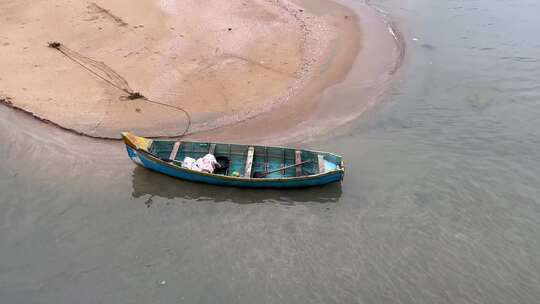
{"x": 303, "y": 97}
{"x": 365, "y": 84}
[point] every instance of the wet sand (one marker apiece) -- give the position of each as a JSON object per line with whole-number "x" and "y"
{"x": 334, "y": 100}
{"x": 225, "y": 62}
{"x": 212, "y": 59}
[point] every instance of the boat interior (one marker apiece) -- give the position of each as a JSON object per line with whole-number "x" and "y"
{"x": 249, "y": 161}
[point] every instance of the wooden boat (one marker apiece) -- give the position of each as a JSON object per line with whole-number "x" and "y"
{"x": 248, "y": 166}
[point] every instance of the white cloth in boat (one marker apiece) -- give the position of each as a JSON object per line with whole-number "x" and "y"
{"x": 204, "y": 164}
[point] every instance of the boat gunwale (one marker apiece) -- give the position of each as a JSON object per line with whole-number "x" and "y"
{"x": 240, "y": 178}
{"x": 221, "y": 143}
{"x": 148, "y": 154}
{"x": 246, "y": 145}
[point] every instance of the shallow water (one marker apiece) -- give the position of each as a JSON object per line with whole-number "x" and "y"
{"x": 440, "y": 203}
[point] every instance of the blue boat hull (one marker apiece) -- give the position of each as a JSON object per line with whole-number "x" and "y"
{"x": 148, "y": 161}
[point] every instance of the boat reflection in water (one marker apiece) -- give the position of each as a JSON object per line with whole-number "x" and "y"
{"x": 146, "y": 182}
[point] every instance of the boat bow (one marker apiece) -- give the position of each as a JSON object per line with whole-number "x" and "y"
{"x": 136, "y": 142}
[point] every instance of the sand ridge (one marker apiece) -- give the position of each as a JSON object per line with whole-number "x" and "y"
{"x": 224, "y": 61}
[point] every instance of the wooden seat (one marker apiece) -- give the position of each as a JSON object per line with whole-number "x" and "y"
{"x": 297, "y": 161}
{"x": 174, "y": 151}
{"x": 322, "y": 167}
{"x": 249, "y": 162}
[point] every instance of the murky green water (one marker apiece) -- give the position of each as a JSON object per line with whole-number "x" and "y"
{"x": 441, "y": 203}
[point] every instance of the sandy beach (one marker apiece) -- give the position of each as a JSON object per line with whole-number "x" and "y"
{"x": 225, "y": 62}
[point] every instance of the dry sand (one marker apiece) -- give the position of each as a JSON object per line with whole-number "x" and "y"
{"x": 224, "y": 61}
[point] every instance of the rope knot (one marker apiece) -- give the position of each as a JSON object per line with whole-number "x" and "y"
{"x": 55, "y": 45}
{"x": 135, "y": 95}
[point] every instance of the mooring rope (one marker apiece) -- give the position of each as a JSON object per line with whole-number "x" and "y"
{"x": 112, "y": 78}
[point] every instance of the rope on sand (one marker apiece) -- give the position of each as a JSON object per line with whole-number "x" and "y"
{"x": 112, "y": 78}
